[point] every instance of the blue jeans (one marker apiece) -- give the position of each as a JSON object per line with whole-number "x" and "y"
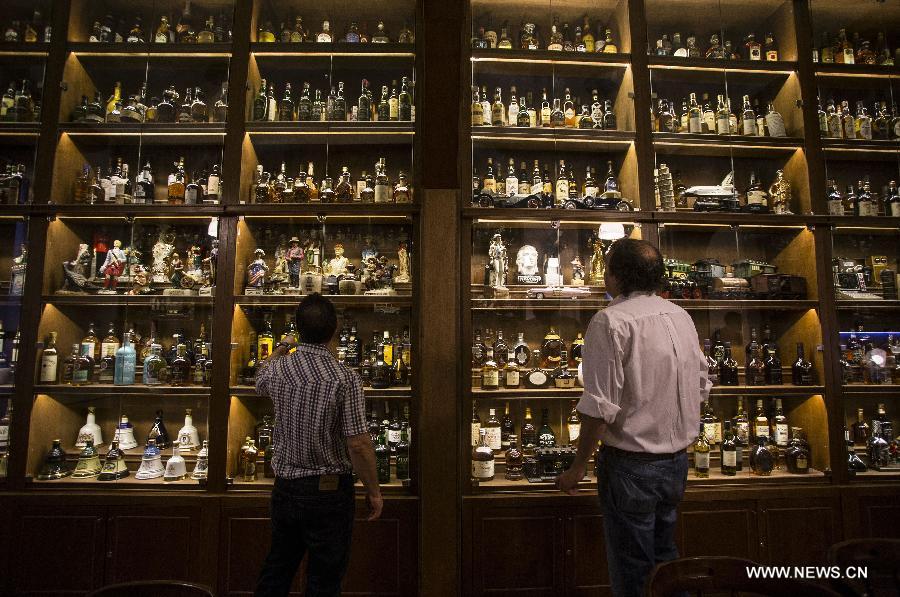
{"x": 639, "y": 500}
{"x": 305, "y": 519}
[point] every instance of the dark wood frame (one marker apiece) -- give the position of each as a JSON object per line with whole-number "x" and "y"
{"x": 440, "y": 516}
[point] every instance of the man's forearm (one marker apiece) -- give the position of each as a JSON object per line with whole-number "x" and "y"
{"x": 587, "y": 440}
{"x": 364, "y": 466}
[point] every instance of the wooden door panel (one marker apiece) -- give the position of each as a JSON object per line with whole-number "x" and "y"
{"x": 725, "y": 528}
{"x": 154, "y": 544}
{"x": 880, "y": 516}
{"x": 586, "y": 567}
{"x": 246, "y": 536}
{"x": 798, "y": 532}
{"x": 533, "y": 567}
{"x": 61, "y": 551}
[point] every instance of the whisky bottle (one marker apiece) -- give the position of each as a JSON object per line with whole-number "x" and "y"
{"x": 573, "y": 425}
{"x": 402, "y": 453}
{"x": 729, "y": 451}
{"x": 475, "y": 426}
{"x": 609, "y": 46}
{"x": 93, "y": 342}
{"x": 83, "y": 369}
{"x": 180, "y": 368}
{"x": 477, "y": 108}
{"x": 562, "y": 377}
{"x": 557, "y": 116}
{"x": 199, "y": 111}
{"x": 761, "y": 459}
{"x": 49, "y": 360}
{"x": 536, "y": 378}
{"x": 772, "y": 361}
{"x": 154, "y": 366}
{"x": 546, "y": 437}
{"x": 779, "y": 430}
{"x": 529, "y": 432}
{"x": 68, "y": 369}
{"x": 797, "y": 455}
{"x": 513, "y": 460}
{"x": 801, "y": 371}
{"x": 728, "y": 369}
{"x": 159, "y": 433}
{"x": 507, "y": 428}
{"x": 492, "y": 431}
{"x": 482, "y": 460}
{"x": 521, "y": 351}
{"x": 511, "y": 371}
{"x": 741, "y": 424}
{"x": 695, "y": 124}
{"x": 761, "y": 422}
{"x": 862, "y": 123}
{"x": 755, "y": 371}
{"x": 490, "y": 373}
{"x": 404, "y": 101}
{"x": 770, "y": 49}
{"x": 748, "y": 118}
{"x": 701, "y": 454}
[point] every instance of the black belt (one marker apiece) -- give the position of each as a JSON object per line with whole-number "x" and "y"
{"x": 644, "y": 456}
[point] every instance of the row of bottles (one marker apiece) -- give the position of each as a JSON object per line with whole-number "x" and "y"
{"x": 558, "y": 38}
{"x": 499, "y": 431}
{"x": 394, "y": 105}
{"x": 14, "y": 185}
{"x": 497, "y": 363}
{"x": 28, "y": 31}
{"x": 293, "y": 31}
{"x": 762, "y": 365}
{"x": 187, "y": 28}
{"x": 9, "y": 355}
{"x": 751, "y": 49}
{"x": 561, "y": 186}
{"x": 764, "y": 454}
{"x": 862, "y": 200}
{"x": 392, "y": 438}
{"x": 108, "y": 361}
{"x": 116, "y": 186}
{"x": 172, "y": 108}
{"x": 522, "y": 111}
{"x": 865, "y": 360}
{"x": 368, "y": 188}
{"x": 877, "y": 440}
{"x": 844, "y": 49}
{"x": 839, "y": 123}
{"x": 18, "y": 105}
{"x": 702, "y": 118}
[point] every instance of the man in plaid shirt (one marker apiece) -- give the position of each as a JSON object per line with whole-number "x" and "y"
{"x": 320, "y": 429}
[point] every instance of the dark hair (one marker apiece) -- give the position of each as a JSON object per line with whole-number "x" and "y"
{"x": 636, "y": 264}
{"x": 316, "y": 319}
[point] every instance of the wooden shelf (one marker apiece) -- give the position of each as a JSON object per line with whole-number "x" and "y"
{"x": 361, "y": 301}
{"x": 395, "y": 393}
{"x": 571, "y": 393}
{"x": 113, "y": 390}
{"x": 266, "y": 483}
{"x": 879, "y": 391}
{"x": 756, "y": 67}
{"x": 69, "y": 483}
{"x": 562, "y": 139}
{"x": 832, "y": 146}
{"x": 124, "y": 300}
{"x": 168, "y": 134}
{"x": 339, "y": 133}
{"x": 872, "y": 222}
{"x": 150, "y": 50}
{"x": 548, "y": 57}
{"x": 19, "y": 132}
{"x": 843, "y": 305}
{"x": 337, "y": 49}
{"x": 856, "y": 70}
{"x": 775, "y": 222}
{"x": 24, "y": 49}
{"x": 593, "y": 303}
{"x": 349, "y": 212}
{"x": 10, "y": 301}
{"x": 105, "y": 211}
{"x": 537, "y": 215}
{"x": 725, "y": 145}
{"x": 783, "y": 390}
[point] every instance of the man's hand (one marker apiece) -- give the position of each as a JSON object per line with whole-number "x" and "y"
{"x": 375, "y": 503}
{"x": 568, "y": 481}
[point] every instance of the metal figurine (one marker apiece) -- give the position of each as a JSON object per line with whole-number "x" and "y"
{"x": 17, "y": 281}
{"x": 598, "y": 262}
{"x": 75, "y": 272}
{"x": 403, "y": 265}
{"x": 176, "y": 270}
{"x": 780, "y": 194}
{"x": 113, "y": 267}
{"x": 210, "y": 262}
{"x": 257, "y": 270}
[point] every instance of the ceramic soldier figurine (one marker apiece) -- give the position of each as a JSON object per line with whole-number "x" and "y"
{"x": 195, "y": 257}
{"x": 499, "y": 262}
{"x": 17, "y": 281}
{"x": 210, "y": 262}
{"x": 113, "y": 267}
{"x": 402, "y": 263}
{"x": 256, "y": 271}
{"x": 780, "y": 194}
{"x": 294, "y": 260}
{"x": 577, "y": 272}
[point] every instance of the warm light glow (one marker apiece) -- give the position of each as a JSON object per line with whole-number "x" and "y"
{"x": 287, "y": 53}
{"x": 507, "y": 60}
{"x": 612, "y": 231}
{"x": 728, "y": 69}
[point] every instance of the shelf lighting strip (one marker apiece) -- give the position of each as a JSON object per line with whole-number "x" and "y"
{"x": 301, "y": 54}
{"x": 144, "y": 55}
{"x": 730, "y": 69}
{"x": 551, "y": 61}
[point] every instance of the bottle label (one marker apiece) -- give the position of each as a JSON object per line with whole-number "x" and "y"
{"x": 490, "y": 378}
{"x": 701, "y": 460}
{"x": 108, "y": 349}
{"x": 512, "y": 379}
{"x": 757, "y": 197}
{"x": 718, "y": 431}
{"x": 750, "y": 126}
{"x": 834, "y": 127}
{"x": 762, "y": 431}
{"x": 865, "y": 129}
{"x": 382, "y": 193}
{"x": 212, "y": 185}
{"x": 4, "y": 436}
{"x": 802, "y": 462}
{"x": 694, "y": 124}
{"x": 709, "y": 430}
{"x": 546, "y": 440}
{"x": 88, "y": 348}
{"x": 835, "y": 207}
{"x": 775, "y": 124}
{"x": 393, "y": 436}
{"x": 895, "y": 209}
{"x": 729, "y": 458}
{"x": 512, "y": 186}
{"x": 722, "y": 125}
{"x": 743, "y": 431}
{"x": 848, "y": 56}
{"x": 492, "y": 437}
{"x": 868, "y": 208}
{"x": 781, "y": 434}
{"x": 537, "y": 378}
{"x": 574, "y": 432}
{"x": 482, "y": 469}
{"x": 48, "y": 368}
{"x": 477, "y": 115}
{"x": 476, "y": 434}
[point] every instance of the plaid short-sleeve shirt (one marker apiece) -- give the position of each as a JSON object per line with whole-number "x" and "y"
{"x": 319, "y": 402}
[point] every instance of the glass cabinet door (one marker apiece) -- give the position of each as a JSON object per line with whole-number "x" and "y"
{"x": 125, "y": 353}
{"x": 364, "y": 266}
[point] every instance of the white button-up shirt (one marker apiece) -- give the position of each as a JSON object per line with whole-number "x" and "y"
{"x": 644, "y": 374}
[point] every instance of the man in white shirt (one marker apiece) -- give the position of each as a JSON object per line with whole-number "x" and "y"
{"x": 645, "y": 378}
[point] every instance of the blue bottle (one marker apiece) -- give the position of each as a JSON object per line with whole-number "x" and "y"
{"x": 123, "y": 374}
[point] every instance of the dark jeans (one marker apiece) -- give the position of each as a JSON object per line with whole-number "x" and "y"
{"x": 639, "y": 501}
{"x": 306, "y": 519}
